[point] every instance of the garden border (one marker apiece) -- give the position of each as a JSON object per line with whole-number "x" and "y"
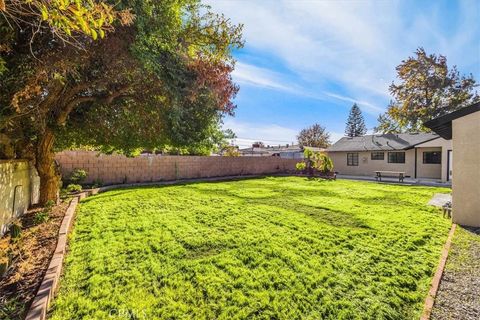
{"x": 39, "y": 307}
{"x": 437, "y": 278}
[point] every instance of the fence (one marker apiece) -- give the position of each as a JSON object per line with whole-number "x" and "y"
{"x": 113, "y": 169}
{"x": 19, "y": 188}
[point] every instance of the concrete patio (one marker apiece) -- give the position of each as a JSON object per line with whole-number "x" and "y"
{"x": 406, "y": 181}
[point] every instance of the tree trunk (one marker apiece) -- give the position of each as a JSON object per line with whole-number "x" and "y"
{"x": 45, "y": 164}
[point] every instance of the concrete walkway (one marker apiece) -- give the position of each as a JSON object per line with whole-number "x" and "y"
{"x": 406, "y": 181}
{"x": 439, "y": 199}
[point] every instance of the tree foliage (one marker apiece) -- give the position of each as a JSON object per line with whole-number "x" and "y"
{"x": 314, "y": 136}
{"x": 427, "y": 89}
{"x": 315, "y": 161}
{"x": 356, "y": 123}
{"x": 161, "y": 77}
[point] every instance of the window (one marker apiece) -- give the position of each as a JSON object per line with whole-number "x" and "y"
{"x": 432, "y": 157}
{"x": 396, "y": 157}
{"x": 352, "y": 159}
{"x": 378, "y": 155}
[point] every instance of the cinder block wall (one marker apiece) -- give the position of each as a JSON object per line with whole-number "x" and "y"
{"x": 19, "y": 188}
{"x": 113, "y": 169}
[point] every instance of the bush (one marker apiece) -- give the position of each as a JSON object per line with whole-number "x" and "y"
{"x": 300, "y": 166}
{"x": 77, "y": 176}
{"x": 41, "y": 217}
{"x": 97, "y": 183}
{"x": 49, "y": 205}
{"x": 44, "y": 215}
{"x": 74, "y": 188}
{"x": 16, "y": 229}
{"x": 323, "y": 163}
{"x": 315, "y": 161}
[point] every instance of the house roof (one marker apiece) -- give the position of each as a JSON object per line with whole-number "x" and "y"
{"x": 443, "y": 125}
{"x": 277, "y": 149}
{"x": 270, "y": 149}
{"x": 390, "y": 141}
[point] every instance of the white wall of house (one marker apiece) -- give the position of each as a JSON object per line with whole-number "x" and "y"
{"x": 367, "y": 166}
{"x": 436, "y": 144}
{"x": 466, "y": 170}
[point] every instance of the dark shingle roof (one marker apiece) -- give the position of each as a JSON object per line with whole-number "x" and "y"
{"x": 443, "y": 125}
{"x": 390, "y": 141}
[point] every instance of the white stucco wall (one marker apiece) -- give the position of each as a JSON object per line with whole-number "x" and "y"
{"x": 444, "y": 146}
{"x": 466, "y": 170}
{"x": 19, "y": 185}
{"x": 367, "y": 166}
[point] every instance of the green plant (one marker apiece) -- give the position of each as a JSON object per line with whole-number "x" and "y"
{"x": 97, "y": 183}
{"x": 63, "y": 193}
{"x": 49, "y": 205}
{"x": 323, "y": 163}
{"x": 78, "y": 176}
{"x": 300, "y": 166}
{"x": 41, "y": 217}
{"x": 16, "y": 229}
{"x": 74, "y": 188}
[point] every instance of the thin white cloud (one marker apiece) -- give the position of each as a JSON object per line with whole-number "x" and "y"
{"x": 354, "y": 44}
{"x": 371, "y": 108}
{"x": 247, "y": 74}
{"x": 260, "y": 77}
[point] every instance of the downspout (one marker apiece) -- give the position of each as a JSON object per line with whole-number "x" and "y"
{"x": 415, "y": 163}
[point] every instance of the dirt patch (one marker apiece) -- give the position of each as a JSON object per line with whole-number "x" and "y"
{"x": 30, "y": 255}
{"x": 459, "y": 294}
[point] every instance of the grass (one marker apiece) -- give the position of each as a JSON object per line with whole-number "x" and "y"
{"x": 272, "y": 248}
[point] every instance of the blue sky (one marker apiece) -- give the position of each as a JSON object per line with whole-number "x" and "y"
{"x": 308, "y": 61}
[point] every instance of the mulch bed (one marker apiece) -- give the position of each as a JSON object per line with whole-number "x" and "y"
{"x": 459, "y": 293}
{"x": 31, "y": 256}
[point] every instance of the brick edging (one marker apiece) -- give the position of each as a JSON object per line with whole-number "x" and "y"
{"x": 432, "y": 293}
{"x": 39, "y": 307}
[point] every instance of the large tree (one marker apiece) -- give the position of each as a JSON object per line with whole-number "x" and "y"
{"x": 427, "y": 88}
{"x": 160, "y": 77}
{"x": 314, "y": 136}
{"x": 355, "y": 123}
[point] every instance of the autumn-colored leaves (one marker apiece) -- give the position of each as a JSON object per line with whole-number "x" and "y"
{"x": 69, "y": 17}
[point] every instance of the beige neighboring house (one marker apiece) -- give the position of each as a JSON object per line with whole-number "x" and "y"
{"x": 418, "y": 155}
{"x": 462, "y": 127}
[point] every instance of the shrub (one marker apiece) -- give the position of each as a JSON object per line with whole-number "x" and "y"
{"x": 41, "y": 217}
{"x": 315, "y": 161}
{"x": 74, "y": 188}
{"x": 300, "y": 166}
{"x": 49, "y": 205}
{"x": 77, "y": 176}
{"x": 16, "y": 229}
{"x": 323, "y": 163}
{"x": 97, "y": 183}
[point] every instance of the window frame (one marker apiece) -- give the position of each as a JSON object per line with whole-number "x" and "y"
{"x": 377, "y": 153}
{"x": 396, "y": 153}
{"x": 351, "y": 161}
{"x": 432, "y": 152}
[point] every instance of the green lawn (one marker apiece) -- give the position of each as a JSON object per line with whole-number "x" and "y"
{"x": 272, "y": 248}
